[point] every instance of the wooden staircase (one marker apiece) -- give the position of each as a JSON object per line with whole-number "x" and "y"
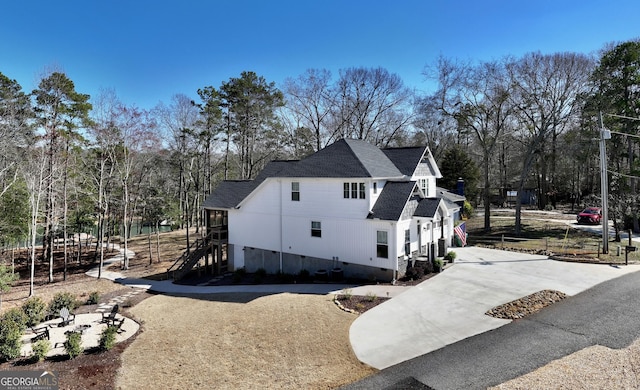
{"x": 185, "y": 263}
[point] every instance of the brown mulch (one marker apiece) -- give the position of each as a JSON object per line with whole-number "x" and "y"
{"x": 358, "y": 304}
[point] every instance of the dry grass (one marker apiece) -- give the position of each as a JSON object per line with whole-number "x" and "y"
{"x": 548, "y": 233}
{"x": 241, "y": 341}
{"x": 230, "y": 341}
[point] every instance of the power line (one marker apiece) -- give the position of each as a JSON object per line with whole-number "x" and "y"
{"x": 623, "y": 117}
{"x": 627, "y": 134}
{"x": 622, "y": 174}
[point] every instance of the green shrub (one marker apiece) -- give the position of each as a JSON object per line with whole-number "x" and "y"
{"x": 73, "y": 344}
{"x": 467, "y": 209}
{"x": 94, "y": 298}
{"x": 60, "y": 300}
{"x": 236, "y": 278}
{"x": 10, "y": 343}
{"x": 347, "y": 293}
{"x": 450, "y": 256}
{"x": 108, "y": 338}
{"x": 261, "y": 272}
{"x": 240, "y": 272}
{"x": 40, "y": 349}
{"x": 16, "y": 315}
{"x": 371, "y": 297}
{"x": 35, "y": 309}
{"x": 415, "y": 273}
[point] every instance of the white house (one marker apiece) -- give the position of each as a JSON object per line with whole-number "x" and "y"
{"x": 350, "y": 206}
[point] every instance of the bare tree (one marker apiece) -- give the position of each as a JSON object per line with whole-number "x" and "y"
{"x": 371, "y": 104}
{"x": 545, "y": 89}
{"x": 309, "y": 98}
{"x": 486, "y": 110}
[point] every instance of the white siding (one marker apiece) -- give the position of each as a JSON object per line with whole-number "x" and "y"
{"x": 346, "y": 232}
{"x": 269, "y": 219}
{"x": 423, "y": 172}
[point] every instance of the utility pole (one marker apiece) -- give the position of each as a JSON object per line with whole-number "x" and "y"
{"x": 604, "y": 184}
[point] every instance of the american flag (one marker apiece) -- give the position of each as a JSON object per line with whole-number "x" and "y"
{"x": 460, "y": 231}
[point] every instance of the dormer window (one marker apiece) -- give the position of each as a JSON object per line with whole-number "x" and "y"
{"x": 424, "y": 186}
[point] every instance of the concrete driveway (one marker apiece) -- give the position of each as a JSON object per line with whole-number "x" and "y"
{"x": 450, "y": 306}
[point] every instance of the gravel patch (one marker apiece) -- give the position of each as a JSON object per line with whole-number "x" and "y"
{"x": 525, "y": 306}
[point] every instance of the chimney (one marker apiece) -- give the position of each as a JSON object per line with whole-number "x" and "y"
{"x": 460, "y": 187}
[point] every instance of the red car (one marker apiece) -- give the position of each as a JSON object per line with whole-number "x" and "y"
{"x": 590, "y": 215}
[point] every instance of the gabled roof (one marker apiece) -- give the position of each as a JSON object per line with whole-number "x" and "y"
{"x": 428, "y": 207}
{"x": 228, "y": 194}
{"x": 392, "y": 200}
{"x": 347, "y": 158}
{"x": 406, "y": 159}
{"x": 450, "y": 196}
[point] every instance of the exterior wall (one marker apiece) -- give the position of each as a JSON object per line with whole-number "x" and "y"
{"x": 269, "y": 223}
{"x": 292, "y": 264}
{"x": 423, "y": 171}
{"x": 273, "y": 222}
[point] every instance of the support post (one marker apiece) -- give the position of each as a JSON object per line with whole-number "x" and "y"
{"x": 604, "y": 185}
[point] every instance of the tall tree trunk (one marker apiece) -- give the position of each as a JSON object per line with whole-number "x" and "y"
{"x": 158, "y": 240}
{"x": 487, "y": 194}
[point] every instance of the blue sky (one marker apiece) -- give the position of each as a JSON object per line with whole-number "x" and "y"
{"x": 147, "y": 51}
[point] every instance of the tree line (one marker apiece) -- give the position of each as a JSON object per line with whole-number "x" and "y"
{"x": 71, "y": 163}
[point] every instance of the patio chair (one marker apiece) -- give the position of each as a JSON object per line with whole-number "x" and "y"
{"x": 67, "y": 317}
{"x": 118, "y": 325}
{"x": 41, "y": 334}
{"x": 111, "y": 316}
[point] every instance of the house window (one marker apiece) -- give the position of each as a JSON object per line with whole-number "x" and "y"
{"x": 407, "y": 242}
{"x": 316, "y": 229}
{"x": 382, "y": 245}
{"x": 354, "y": 190}
{"x": 375, "y": 187}
{"x": 424, "y": 186}
{"x": 295, "y": 191}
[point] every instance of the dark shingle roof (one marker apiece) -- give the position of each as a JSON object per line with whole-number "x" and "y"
{"x": 228, "y": 194}
{"x": 392, "y": 200}
{"x": 428, "y": 207}
{"x": 406, "y": 159}
{"x": 346, "y": 158}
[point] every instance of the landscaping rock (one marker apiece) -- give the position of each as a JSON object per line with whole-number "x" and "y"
{"x": 525, "y": 306}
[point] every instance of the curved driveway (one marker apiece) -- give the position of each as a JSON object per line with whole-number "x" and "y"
{"x": 450, "y": 306}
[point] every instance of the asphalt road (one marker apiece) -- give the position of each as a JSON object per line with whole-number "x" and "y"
{"x": 607, "y": 314}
